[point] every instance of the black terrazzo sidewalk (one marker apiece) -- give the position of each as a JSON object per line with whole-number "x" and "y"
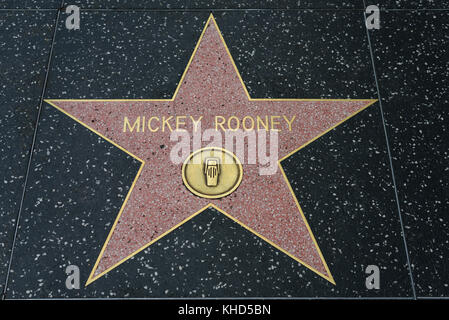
{"x": 374, "y": 190}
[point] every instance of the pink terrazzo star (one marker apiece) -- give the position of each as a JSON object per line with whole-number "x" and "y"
{"x": 159, "y": 202}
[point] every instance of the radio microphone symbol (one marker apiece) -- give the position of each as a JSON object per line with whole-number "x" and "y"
{"x": 212, "y": 171}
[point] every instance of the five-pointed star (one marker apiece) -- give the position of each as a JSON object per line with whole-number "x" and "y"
{"x": 158, "y": 202}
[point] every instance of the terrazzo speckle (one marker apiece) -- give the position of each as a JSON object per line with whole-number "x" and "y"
{"x": 219, "y": 4}
{"x": 344, "y": 185}
{"x": 412, "y": 65}
{"x": 307, "y": 54}
{"x": 209, "y": 256}
{"x": 30, "y": 4}
{"x": 77, "y": 184}
{"x": 25, "y": 43}
{"x": 271, "y": 4}
{"x": 410, "y": 4}
{"x": 145, "y": 53}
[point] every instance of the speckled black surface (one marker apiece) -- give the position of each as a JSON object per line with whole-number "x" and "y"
{"x": 272, "y": 4}
{"x": 343, "y": 181}
{"x": 412, "y": 66}
{"x": 410, "y": 4}
{"x": 209, "y": 256}
{"x": 30, "y": 4}
{"x": 88, "y": 63}
{"x": 130, "y": 4}
{"x": 344, "y": 186}
{"x": 77, "y": 184}
{"x": 307, "y": 54}
{"x": 145, "y": 52}
{"x": 25, "y": 42}
{"x": 218, "y": 4}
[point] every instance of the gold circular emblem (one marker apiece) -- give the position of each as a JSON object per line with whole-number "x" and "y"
{"x": 212, "y": 172}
